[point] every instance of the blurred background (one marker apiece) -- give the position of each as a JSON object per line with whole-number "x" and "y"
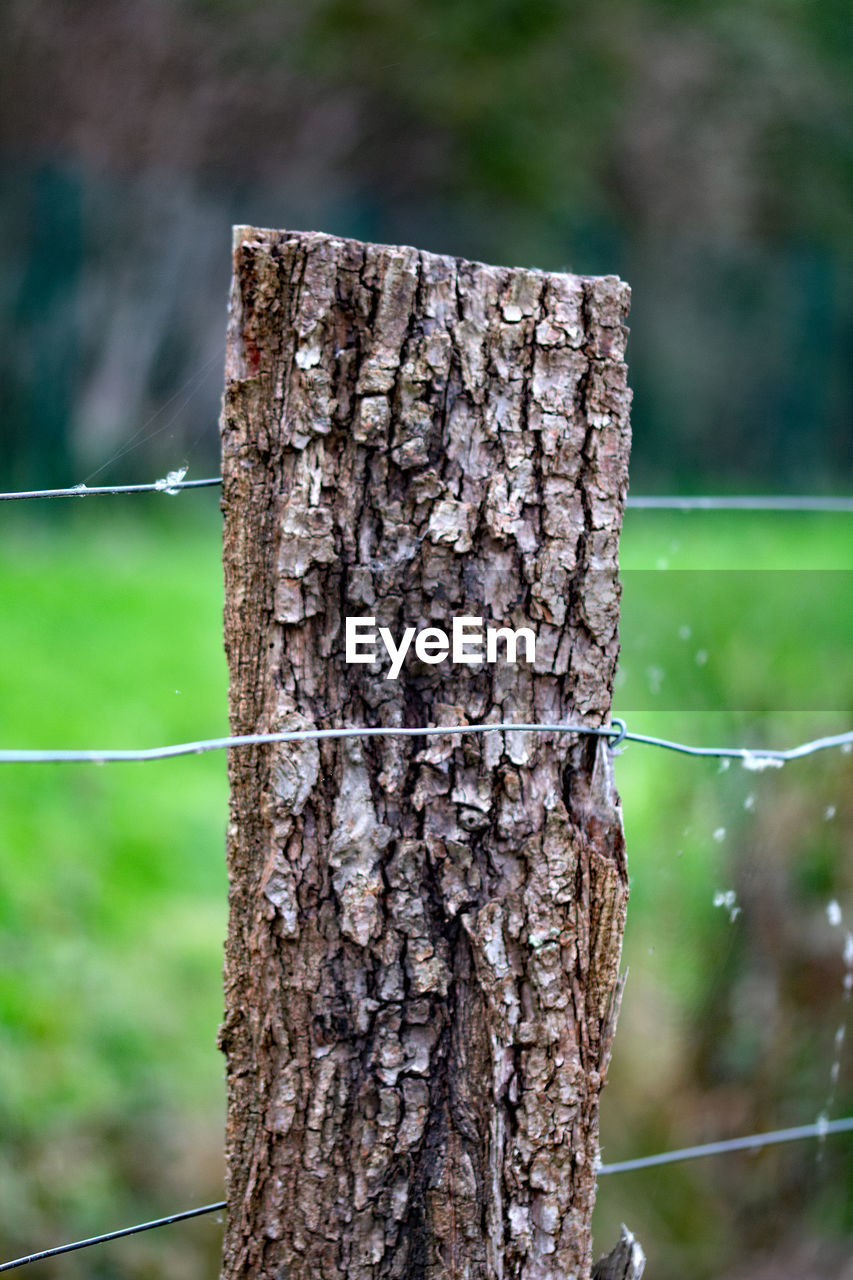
{"x": 700, "y": 150}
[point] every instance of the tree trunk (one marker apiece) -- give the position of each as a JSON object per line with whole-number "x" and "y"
{"x": 422, "y": 960}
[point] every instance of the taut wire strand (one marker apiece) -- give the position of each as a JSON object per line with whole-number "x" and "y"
{"x": 289, "y": 735}
{"x": 753, "y": 758}
{"x": 753, "y": 1141}
{"x": 638, "y": 502}
{"x": 819, "y": 1129}
{"x": 112, "y": 1235}
{"x": 91, "y": 491}
{"x": 745, "y": 502}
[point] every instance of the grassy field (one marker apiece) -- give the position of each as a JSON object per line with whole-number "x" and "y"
{"x": 113, "y": 896}
{"x": 735, "y": 630}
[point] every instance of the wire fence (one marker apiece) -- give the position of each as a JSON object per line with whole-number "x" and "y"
{"x": 753, "y": 759}
{"x": 166, "y": 485}
{"x": 112, "y": 1235}
{"x": 751, "y": 1142}
{"x": 616, "y": 733}
{"x": 173, "y": 483}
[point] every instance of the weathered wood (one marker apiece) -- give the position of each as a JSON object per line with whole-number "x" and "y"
{"x": 626, "y": 1261}
{"x": 421, "y": 967}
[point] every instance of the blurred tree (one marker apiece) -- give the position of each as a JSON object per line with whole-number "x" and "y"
{"x": 701, "y": 150}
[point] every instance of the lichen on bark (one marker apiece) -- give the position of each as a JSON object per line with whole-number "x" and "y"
{"x": 423, "y": 950}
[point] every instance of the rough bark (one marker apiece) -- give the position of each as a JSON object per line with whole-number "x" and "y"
{"x": 422, "y": 960}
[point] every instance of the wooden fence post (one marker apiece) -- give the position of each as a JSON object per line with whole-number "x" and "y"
{"x": 422, "y": 960}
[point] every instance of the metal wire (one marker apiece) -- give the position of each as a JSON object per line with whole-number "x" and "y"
{"x": 754, "y": 1141}
{"x": 87, "y": 491}
{"x": 772, "y": 502}
{"x": 820, "y": 1129}
{"x": 752, "y": 758}
{"x": 617, "y": 731}
{"x": 290, "y": 735}
{"x": 111, "y": 1235}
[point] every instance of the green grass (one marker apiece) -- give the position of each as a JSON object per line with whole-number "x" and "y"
{"x": 112, "y": 880}
{"x": 113, "y": 892}
{"x": 735, "y": 630}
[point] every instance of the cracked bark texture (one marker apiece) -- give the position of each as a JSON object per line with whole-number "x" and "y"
{"x": 422, "y": 961}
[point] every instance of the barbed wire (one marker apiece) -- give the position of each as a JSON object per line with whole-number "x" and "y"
{"x": 706, "y": 502}
{"x": 754, "y": 759}
{"x": 821, "y": 1128}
